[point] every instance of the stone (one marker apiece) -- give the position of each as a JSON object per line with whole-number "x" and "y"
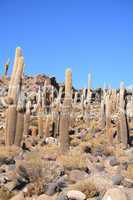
{"x": 76, "y": 195}
{"x": 44, "y": 197}
{"x": 117, "y": 179}
{"x": 77, "y": 175}
{"x": 51, "y": 189}
{"x": 62, "y": 196}
{"x": 113, "y": 161}
{"x": 115, "y": 194}
{"x": 127, "y": 183}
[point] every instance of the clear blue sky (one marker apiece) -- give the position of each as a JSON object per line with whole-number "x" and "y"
{"x": 86, "y": 35}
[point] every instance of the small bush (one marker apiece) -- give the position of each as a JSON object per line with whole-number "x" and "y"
{"x": 74, "y": 160}
{"x": 5, "y": 194}
{"x": 129, "y": 172}
{"x": 87, "y": 187}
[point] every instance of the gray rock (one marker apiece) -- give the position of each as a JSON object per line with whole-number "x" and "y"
{"x": 113, "y": 161}
{"x": 77, "y": 175}
{"x": 117, "y": 179}
{"x": 62, "y": 196}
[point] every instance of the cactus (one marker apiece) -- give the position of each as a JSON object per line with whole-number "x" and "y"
{"x": 11, "y": 124}
{"x": 18, "y": 54}
{"x": 108, "y": 117}
{"x": 75, "y": 98}
{"x": 89, "y": 87}
{"x": 6, "y": 67}
{"x": 65, "y": 114}
{"x": 47, "y": 126}
{"x": 123, "y": 119}
{"x": 102, "y": 114}
{"x": 40, "y": 122}
{"x": 14, "y": 120}
{"x": 17, "y": 80}
{"x": 27, "y": 118}
{"x": 19, "y": 128}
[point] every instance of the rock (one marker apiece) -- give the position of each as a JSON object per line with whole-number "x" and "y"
{"x": 77, "y": 175}
{"x": 44, "y": 197}
{"x": 127, "y": 183}
{"x": 117, "y": 179}
{"x": 7, "y": 161}
{"x": 113, "y": 161}
{"x": 51, "y": 140}
{"x": 19, "y": 196}
{"x": 62, "y": 196}
{"x": 99, "y": 167}
{"x": 51, "y": 189}
{"x": 101, "y": 181}
{"x": 76, "y": 195}
{"x": 129, "y": 153}
{"x": 115, "y": 194}
{"x": 56, "y": 186}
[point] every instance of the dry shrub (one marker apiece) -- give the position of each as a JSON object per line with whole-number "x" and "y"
{"x": 31, "y": 165}
{"x": 129, "y": 172}
{"x": 98, "y": 142}
{"x": 38, "y": 168}
{"x": 84, "y": 145}
{"x": 88, "y": 137}
{"x": 75, "y": 142}
{"x": 5, "y": 194}
{"x": 73, "y": 160}
{"x": 87, "y": 187}
{"x": 50, "y": 150}
{"x": 118, "y": 151}
{"x": 11, "y": 151}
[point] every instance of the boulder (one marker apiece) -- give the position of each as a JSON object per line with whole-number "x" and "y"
{"x": 77, "y": 175}
{"x": 115, "y": 194}
{"x": 76, "y": 195}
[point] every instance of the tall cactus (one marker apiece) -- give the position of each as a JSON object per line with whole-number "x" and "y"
{"x": 65, "y": 114}
{"x": 11, "y": 124}
{"x": 102, "y": 114}
{"x": 19, "y": 128}
{"x": 27, "y": 118}
{"x": 40, "y": 122}
{"x": 123, "y": 119}
{"x": 89, "y": 87}
{"x": 108, "y": 118}
{"x": 14, "y": 120}
{"x": 18, "y": 54}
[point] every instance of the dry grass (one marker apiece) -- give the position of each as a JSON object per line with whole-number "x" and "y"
{"x": 9, "y": 151}
{"x": 129, "y": 172}
{"x": 50, "y": 150}
{"x": 5, "y": 194}
{"x": 75, "y": 142}
{"x": 87, "y": 187}
{"x": 73, "y": 160}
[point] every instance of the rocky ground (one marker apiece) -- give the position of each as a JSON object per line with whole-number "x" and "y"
{"x": 91, "y": 170}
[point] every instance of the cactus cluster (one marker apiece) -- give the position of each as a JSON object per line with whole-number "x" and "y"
{"x": 56, "y": 111}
